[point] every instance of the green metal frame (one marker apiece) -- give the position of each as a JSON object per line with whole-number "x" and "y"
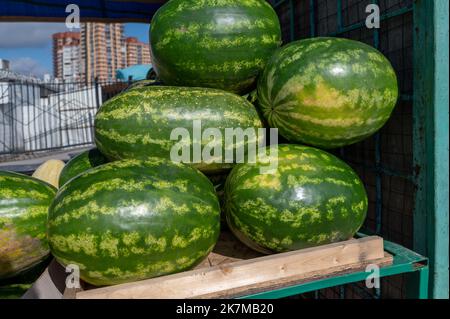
{"x": 431, "y": 129}
{"x": 405, "y": 262}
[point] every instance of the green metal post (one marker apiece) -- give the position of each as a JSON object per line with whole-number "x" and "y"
{"x": 423, "y": 283}
{"x": 431, "y": 79}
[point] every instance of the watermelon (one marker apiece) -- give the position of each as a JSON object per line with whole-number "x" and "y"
{"x": 313, "y": 198}
{"x": 24, "y": 203}
{"x": 218, "y": 44}
{"x": 15, "y": 287}
{"x": 327, "y": 92}
{"x": 14, "y": 291}
{"x": 130, "y": 220}
{"x": 81, "y": 163}
{"x": 138, "y": 124}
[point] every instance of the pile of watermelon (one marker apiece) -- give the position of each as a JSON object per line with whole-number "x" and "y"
{"x": 126, "y": 211}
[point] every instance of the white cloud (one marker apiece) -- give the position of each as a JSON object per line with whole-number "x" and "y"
{"x": 28, "y": 35}
{"x": 28, "y": 66}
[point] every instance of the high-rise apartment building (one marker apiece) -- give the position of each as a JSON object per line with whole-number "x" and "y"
{"x": 66, "y": 56}
{"x": 136, "y": 52}
{"x": 101, "y": 51}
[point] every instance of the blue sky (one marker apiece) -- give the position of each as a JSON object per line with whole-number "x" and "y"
{"x": 29, "y": 45}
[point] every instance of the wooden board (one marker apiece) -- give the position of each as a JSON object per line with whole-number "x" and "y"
{"x": 233, "y": 270}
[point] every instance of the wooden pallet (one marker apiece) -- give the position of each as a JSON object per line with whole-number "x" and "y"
{"x": 233, "y": 270}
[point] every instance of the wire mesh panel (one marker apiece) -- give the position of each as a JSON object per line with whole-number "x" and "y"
{"x": 45, "y": 116}
{"x": 385, "y": 161}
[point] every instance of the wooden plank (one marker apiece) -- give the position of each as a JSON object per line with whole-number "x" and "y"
{"x": 250, "y": 276}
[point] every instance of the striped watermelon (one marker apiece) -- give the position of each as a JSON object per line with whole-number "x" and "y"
{"x": 24, "y": 203}
{"x": 139, "y": 123}
{"x": 130, "y": 220}
{"x": 81, "y": 163}
{"x": 14, "y": 291}
{"x": 219, "y": 44}
{"x": 15, "y": 287}
{"x": 327, "y": 92}
{"x": 313, "y": 199}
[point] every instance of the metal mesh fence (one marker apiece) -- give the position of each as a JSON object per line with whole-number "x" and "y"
{"x": 38, "y": 116}
{"x": 385, "y": 161}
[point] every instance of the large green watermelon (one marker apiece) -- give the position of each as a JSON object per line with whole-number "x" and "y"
{"x": 327, "y": 92}
{"x": 219, "y": 44}
{"x": 139, "y": 123}
{"x": 312, "y": 199}
{"x": 24, "y": 203}
{"x": 81, "y": 163}
{"x": 130, "y": 220}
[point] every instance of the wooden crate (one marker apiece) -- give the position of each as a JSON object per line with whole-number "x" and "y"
{"x": 233, "y": 270}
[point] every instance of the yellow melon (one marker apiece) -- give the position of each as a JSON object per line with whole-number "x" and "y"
{"x": 49, "y": 171}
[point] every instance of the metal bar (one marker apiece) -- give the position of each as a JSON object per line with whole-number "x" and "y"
{"x": 339, "y": 16}
{"x": 312, "y": 18}
{"x": 292, "y": 20}
{"x": 430, "y": 137}
{"x": 97, "y": 97}
{"x": 381, "y": 169}
{"x": 423, "y": 283}
{"x": 331, "y": 282}
{"x": 279, "y": 3}
{"x": 12, "y": 92}
{"x": 378, "y": 175}
{"x": 383, "y": 17}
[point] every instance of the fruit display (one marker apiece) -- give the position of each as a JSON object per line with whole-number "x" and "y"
{"x": 327, "y": 92}
{"x": 313, "y": 199}
{"x": 24, "y": 203}
{"x": 49, "y": 171}
{"x": 223, "y": 44}
{"x": 81, "y": 163}
{"x": 130, "y": 220}
{"x": 141, "y": 123}
{"x": 137, "y": 207}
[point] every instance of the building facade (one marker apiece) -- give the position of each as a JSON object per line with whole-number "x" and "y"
{"x": 101, "y": 51}
{"x": 136, "y": 52}
{"x": 66, "y": 56}
{"x": 96, "y": 52}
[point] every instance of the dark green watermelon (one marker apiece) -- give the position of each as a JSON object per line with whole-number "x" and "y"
{"x": 15, "y": 287}
{"x": 219, "y": 44}
{"x": 312, "y": 199}
{"x": 130, "y": 220}
{"x": 81, "y": 163}
{"x": 14, "y": 291}
{"x": 327, "y": 92}
{"x": 139, "y": 123}
{"x": 24, "y": 203}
